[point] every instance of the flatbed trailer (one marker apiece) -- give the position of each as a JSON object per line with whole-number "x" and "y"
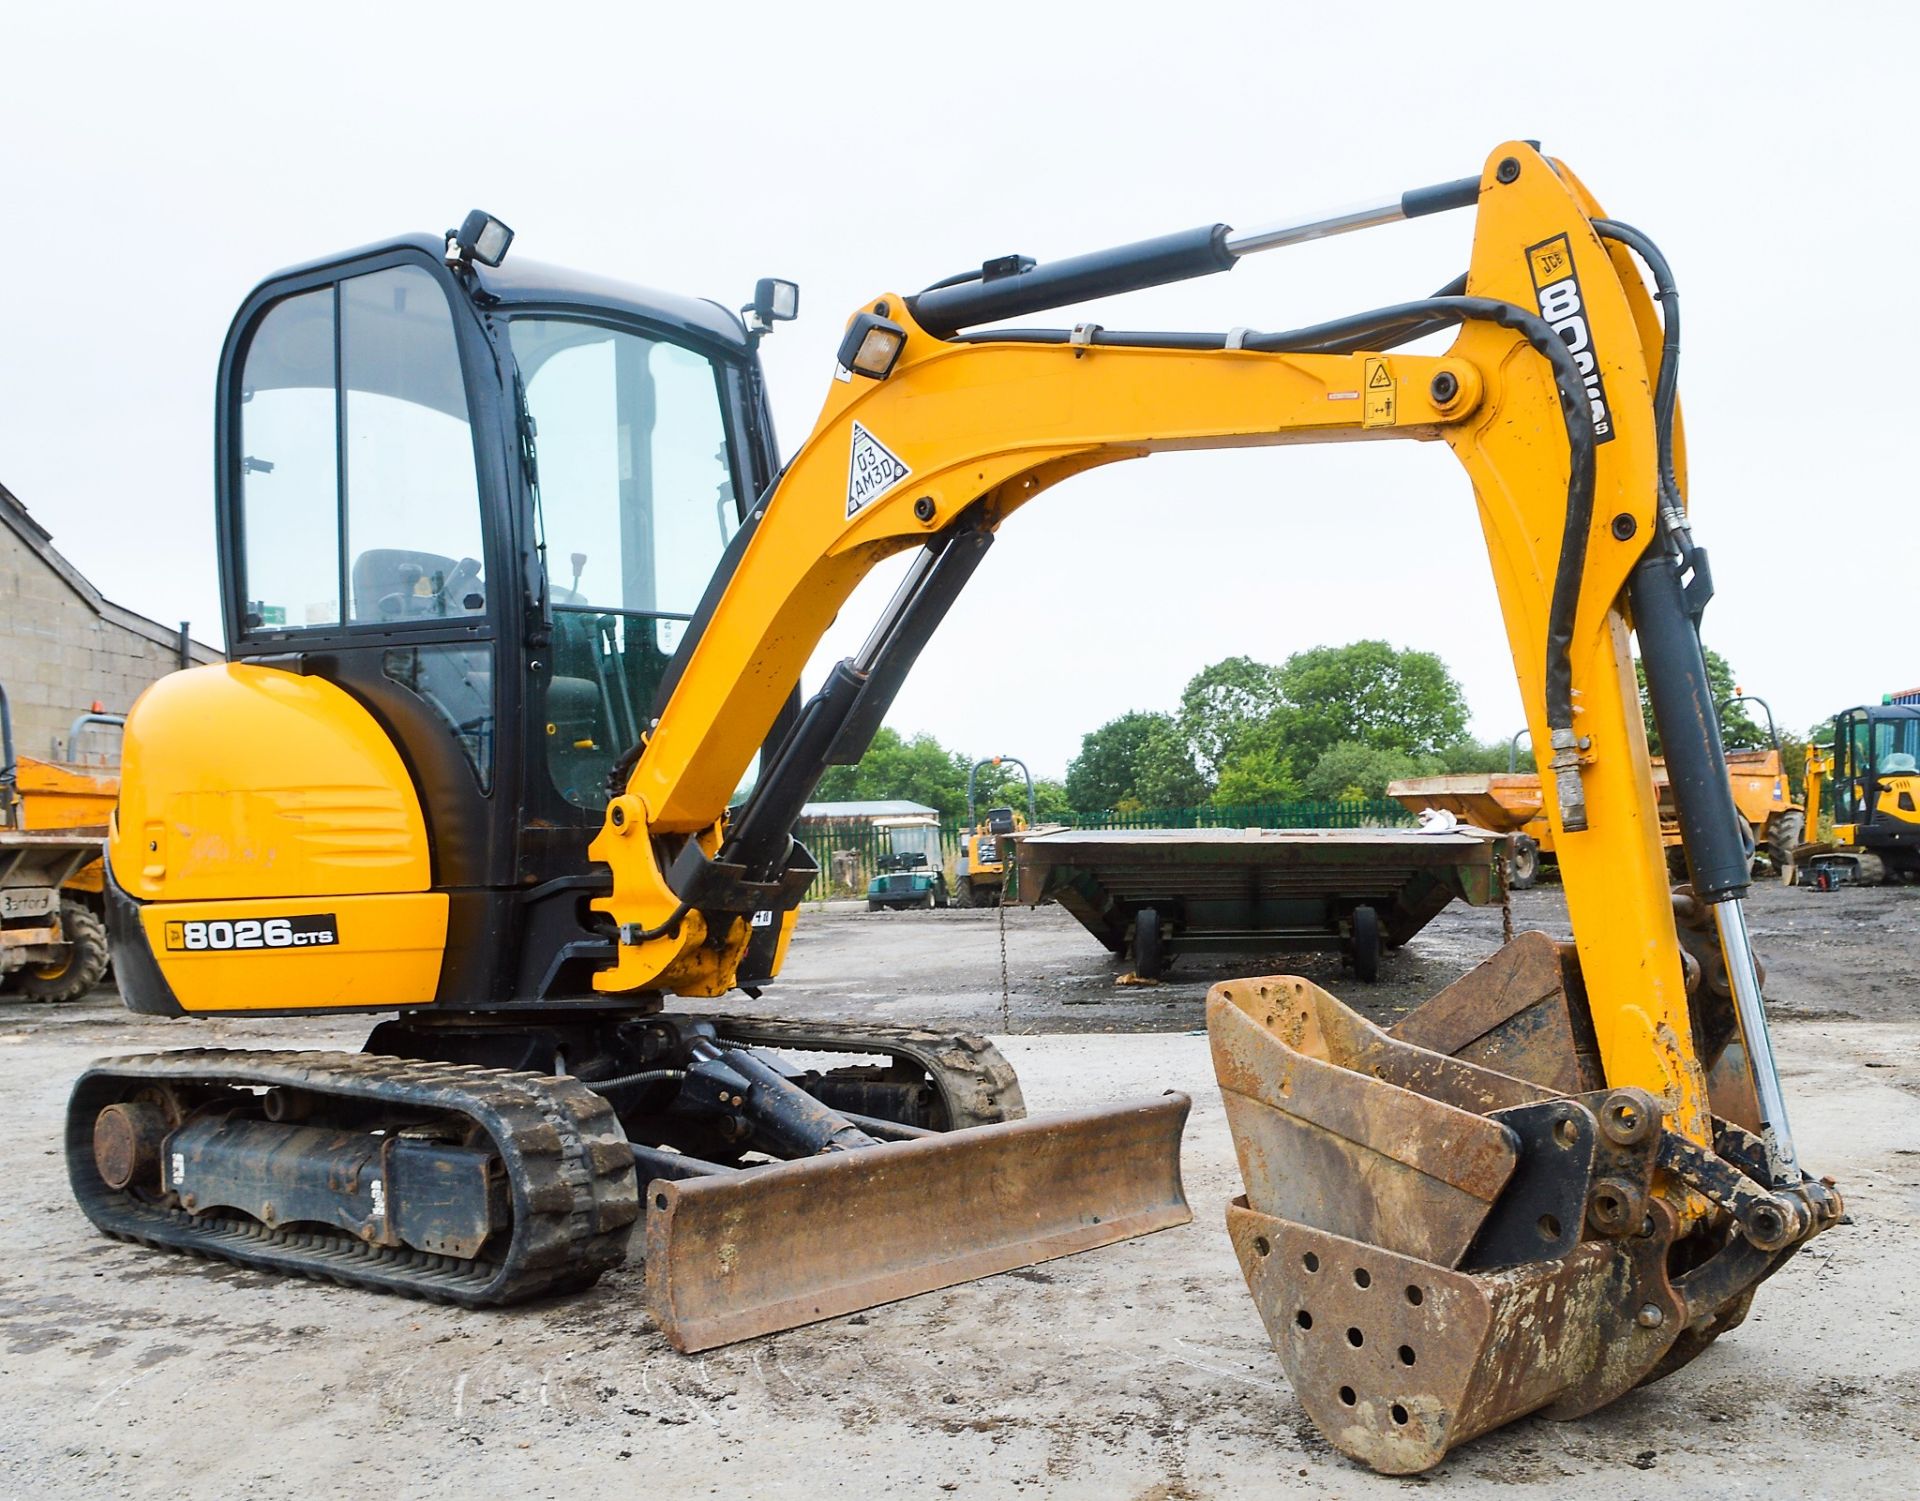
{"x": 1154, "y": 894}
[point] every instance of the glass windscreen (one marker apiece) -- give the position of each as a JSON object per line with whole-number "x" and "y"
{"x": 636, "y": 505}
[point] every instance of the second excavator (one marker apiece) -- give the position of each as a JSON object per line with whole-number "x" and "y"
{"x": 450, "y": 776}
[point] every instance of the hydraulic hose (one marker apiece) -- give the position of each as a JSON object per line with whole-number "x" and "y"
{"x": 1666, "y": 387}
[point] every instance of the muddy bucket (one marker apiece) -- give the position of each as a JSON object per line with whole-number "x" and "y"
{"x": 1437, "y": 1247}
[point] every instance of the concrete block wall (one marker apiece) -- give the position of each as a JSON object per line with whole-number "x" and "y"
{"x": 58, "y": 654}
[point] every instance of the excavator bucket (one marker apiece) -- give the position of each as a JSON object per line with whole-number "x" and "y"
{"x": 736, "y": 1255}
{"x": 1440, "y": 1244}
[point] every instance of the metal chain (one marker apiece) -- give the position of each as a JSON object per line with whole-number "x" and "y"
{"x": 1505, "y": 861}
{"x": 1006, "y": 989}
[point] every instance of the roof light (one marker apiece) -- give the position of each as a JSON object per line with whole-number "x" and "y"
{"x": 482, "y": 238}
{"x": 776, "y": 301}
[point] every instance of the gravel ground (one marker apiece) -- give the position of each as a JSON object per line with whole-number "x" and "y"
{"x": 1139, "y": 1371}
{"x": 944, "y": 966}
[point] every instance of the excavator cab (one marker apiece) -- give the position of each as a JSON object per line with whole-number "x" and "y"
{"x": 483, "y": 502}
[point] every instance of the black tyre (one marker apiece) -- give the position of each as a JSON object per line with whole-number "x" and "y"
{"x": 1523, "y": 864}
{"x": 963, "y": 892}
{"x": 84, "y": 964}
{"x": 873, "y": 906}
{"x": 1149, "y": 949}
{"x": 1785, "y": 832}
{"x": 1366, "y": 944}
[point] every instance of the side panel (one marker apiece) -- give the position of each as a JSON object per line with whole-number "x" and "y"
{"x": 268, "y": 852}
{"x": 241, "y": 781}
{"x": 356, "y": 953}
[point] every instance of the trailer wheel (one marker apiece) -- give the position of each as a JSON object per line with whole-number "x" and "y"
{"x": 1523, "y": 865}
{"x": 84, "y": 964}
{"x": 1149, "y": 953}
{"x": 1366, "y": 944}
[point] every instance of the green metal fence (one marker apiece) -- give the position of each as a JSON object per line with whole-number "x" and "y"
{"x": 1347, "y": 813}
{"x": 849, "y": 853}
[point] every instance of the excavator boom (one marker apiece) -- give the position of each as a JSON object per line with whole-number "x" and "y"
{"x": 1584, "y": 1174}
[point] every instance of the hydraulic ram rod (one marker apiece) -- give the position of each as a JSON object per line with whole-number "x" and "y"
{"x": 1203, "y": 251}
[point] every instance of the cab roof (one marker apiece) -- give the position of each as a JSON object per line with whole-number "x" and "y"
{"x": 524, "y": 282}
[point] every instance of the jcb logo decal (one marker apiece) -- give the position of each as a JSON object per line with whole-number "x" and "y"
{"x": 1557, "y": 287}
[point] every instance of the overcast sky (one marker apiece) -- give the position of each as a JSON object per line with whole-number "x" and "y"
{"x": 160, "y": 160}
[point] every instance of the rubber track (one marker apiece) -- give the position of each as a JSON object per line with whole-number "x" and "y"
{"x": 569, "y": 1168}
{"x": 977, "y": 1085}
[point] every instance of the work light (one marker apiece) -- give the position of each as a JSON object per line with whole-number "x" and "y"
{"x": 776, "y": 301}
{"x": 872, "y": 345}
{"x": 483, "y": 238}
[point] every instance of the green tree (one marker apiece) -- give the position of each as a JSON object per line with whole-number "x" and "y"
{"x": 1258, "y": 769}
{"x": 1050, "y": 799}
{"x": 1476, "y": 755}
{"x": 1107, "y": 769}
{"x": 1222, "y": 703}
{"x": 1738, "y": 730}
{"x": 1351, "y": 769}
{"x": 1165, "y": 775}
{"x": 920, "y": 770}
{"x": 1368, "y": 692}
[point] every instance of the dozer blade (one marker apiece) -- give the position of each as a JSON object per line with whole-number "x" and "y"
{"x": 775, "y": 1247}
{"x": 1438, "y": 1247}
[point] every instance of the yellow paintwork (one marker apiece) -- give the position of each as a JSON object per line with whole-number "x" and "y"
{"x": 1820, "y": 767}
{"x": 1816, "y": 777}
{"x": 996, "y": 867}
{"x": 997, "y": 423}
{"x": 245, "y": 781}
{"x": 55, "y": 795}
{"x": 388, "y": 955}
{"x": 242, "y": 784}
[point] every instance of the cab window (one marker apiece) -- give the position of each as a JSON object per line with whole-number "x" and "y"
{"x": 289, "y": 468}
{"x": 359, "y": 502}
{"x": 413, "y": 501}
{"x": 636, "y": 504}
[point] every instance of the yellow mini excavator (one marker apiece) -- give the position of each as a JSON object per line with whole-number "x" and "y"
{"x": 475, "y": 761}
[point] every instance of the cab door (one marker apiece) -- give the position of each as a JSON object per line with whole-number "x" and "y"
{"x": 363, "y": 514}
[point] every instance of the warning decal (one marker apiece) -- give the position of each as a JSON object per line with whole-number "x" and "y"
{"x": 872, "y": 469}
{"x": 1379, "y": 393}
